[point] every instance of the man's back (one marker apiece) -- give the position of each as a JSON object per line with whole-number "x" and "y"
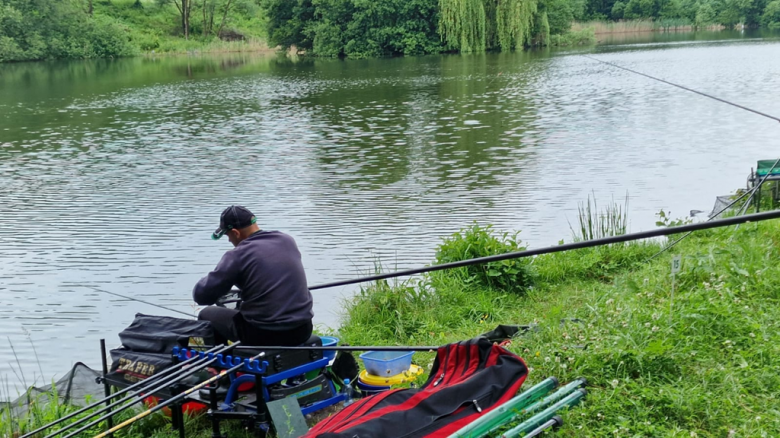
{"x": 267, "y": 267}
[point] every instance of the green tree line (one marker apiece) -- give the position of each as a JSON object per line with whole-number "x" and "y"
{"x": 366, "y": 28}
{"x": 53, "y": 29}
{"x": 49, "y": 29}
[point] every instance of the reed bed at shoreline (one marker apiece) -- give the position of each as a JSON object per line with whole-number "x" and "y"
{"x": 636, "y": 26}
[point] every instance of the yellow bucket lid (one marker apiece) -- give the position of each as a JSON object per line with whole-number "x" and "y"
{"x": 406, "y": 376}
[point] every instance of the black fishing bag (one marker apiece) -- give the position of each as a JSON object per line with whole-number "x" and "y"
{"x": 159, "y": 334}
{"x": 131, "y": 366}
{"x": 468, "y": 379}
{"x": 148, "y": 342}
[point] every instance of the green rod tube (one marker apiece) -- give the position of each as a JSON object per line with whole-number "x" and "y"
{"x": 535, "y": 407}
{"x": 554, "y": 397}
{"x": 506, "y": 410}
{"x": 554, "y": 422}
{"x": 540, "y": 418}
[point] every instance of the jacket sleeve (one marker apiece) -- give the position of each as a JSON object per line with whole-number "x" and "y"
{"x": 218, "y": 282}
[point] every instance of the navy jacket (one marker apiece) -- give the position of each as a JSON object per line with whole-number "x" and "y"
{"x": 267, "y": 268}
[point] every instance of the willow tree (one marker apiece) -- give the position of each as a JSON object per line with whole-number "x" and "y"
{"x": 479, "y": 25}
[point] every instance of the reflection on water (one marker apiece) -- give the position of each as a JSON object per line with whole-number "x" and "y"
{"x": 113, "y": 173}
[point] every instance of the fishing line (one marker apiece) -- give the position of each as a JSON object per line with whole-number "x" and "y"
{"x": 139, "y": 300}
{"x": 686, "y": 89}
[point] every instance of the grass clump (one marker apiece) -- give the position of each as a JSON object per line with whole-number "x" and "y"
{"x": 703, "y": 365}
{"x": 476, "y": 241}
{"x": 595, "y": 224}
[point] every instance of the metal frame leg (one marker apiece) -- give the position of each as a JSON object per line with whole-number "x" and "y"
{"x": 177, "y": 418}
{"x": 106, "y": 386}
{"x": 213, "y": 408}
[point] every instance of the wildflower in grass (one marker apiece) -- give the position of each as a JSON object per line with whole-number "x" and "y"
{"x": 656, "y": 316}
{"x": 547, "y": 359}
{"x": 655, "y": 328}
{"x": 614, "y": 383}
{"x": 752, "y": 335}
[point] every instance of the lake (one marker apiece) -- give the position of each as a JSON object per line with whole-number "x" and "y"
{"x": 113, "y": 173}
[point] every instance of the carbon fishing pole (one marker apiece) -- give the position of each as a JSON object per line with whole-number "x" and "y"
{"x": 750, "y": 192}
{"x": 176, "y": 398}
{"x": 756, "y": 217}
{"x": 341, "y": 348}
{"x": 139, "y": 385}
{"x": 769, "y": 116}
{"x": 139, "y": 300}
{"x": 153, "y": 389}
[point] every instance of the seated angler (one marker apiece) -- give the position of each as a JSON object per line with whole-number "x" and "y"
{"x": 276, "y": 305}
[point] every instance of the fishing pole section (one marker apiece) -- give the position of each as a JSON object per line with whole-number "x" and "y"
{"x": 756, "y": 217}
{"x": 683, "y": 229}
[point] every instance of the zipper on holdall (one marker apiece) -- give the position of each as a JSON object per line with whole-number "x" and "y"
{"x": 444, "y": 368}
{"x": 476, "y": 403}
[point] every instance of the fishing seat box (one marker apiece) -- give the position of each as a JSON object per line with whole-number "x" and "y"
{"x": 283, "y": 360}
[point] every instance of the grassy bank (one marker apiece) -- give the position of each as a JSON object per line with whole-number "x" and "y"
{"x": 705, "y": 365}
{"x": 633, "y": 26}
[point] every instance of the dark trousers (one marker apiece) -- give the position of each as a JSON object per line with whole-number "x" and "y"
{"x": 230, "y": 325}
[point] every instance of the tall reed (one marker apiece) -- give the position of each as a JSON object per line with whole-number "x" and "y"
{"x": 595, "y": 224}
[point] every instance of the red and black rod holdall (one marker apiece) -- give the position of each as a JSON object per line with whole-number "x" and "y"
{"x": 468, "y": 379}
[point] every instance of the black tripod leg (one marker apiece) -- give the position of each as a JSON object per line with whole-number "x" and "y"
{"x": 106, "y": 386}
{"x": 214, "y": 413}
{"x": 179, "y": 409}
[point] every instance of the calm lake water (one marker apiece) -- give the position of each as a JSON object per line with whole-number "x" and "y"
{"x": 113, "y": 173}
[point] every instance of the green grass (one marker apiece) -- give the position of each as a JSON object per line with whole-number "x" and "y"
{"x": 707, "y": 367}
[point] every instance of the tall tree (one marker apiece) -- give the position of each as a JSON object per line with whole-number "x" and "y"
{"x": 479, "y": 25}
{"x": 184, "y": 7}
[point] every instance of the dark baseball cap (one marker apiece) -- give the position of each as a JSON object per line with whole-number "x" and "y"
{"x": 232, "y": 217}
